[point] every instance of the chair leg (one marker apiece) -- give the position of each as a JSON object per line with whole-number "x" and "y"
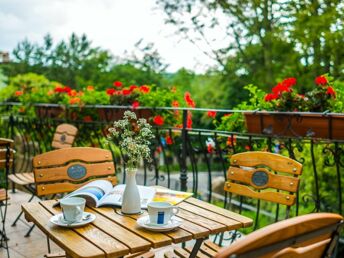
{"x": 21, "y": 213}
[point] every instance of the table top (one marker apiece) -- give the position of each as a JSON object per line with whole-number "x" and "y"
{"x": 113, "y": 235}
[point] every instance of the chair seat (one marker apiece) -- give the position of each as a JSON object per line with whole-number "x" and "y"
{"x": 22, "y": 178}
{"x": 3, "y": 195}
{"x": 208, "y": 249}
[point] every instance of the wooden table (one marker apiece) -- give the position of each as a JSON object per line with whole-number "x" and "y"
{"x": 115, "y": 235}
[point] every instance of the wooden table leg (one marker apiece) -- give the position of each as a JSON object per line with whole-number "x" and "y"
{"x": 196, "y": 247}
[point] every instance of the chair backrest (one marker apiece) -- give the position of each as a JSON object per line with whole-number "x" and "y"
{"x": 6, "y": 153}
{"x": 65, "y": 170}
{"x": 313, "y": 235}
{"x": 64, "y": 136}
{"x": 252, "y": 173}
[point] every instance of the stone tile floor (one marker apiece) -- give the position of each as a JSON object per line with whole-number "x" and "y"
{"x": 34, "y": 246}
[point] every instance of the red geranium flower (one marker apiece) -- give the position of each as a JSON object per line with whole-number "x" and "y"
{"x": 75, "y": 100}
{"x": 212, "y": 114}
{"x": 90, "y": 88}
{"x": 320, "y": 80}
{"x": 117, "y": 84}
{"x": 330, "y": 91}
{"x": 145, "y": 89}
{"x": 110, "y": 91}
{"x": 288, "y": 82}
{"x": 270, "y": 96}
{"x": 19, "y": 93}
{"x": 189, "y": 120}
{"x": 135, "y": 104}
{"x": 158, "y": 120}
{"x": 87, "y": 119}
{"x": 175, "y": 103}
{"x": 169, "y": 140}
{"x": 189, "y": 100}
{"x": 133, "y": 87}
{"x": 126, "y": 92}
{"x": 231, "y": 141}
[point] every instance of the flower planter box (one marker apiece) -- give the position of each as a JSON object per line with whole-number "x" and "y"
{"x": 49, "y": 112}
{"x": 296, "y": 125}
{"x": 114, "y": 114}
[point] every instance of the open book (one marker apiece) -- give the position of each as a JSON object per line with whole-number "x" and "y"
{"x": 101, "y": 192}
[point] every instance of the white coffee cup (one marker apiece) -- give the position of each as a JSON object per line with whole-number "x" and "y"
{"x": 73, "y": 209}
{"x": 160, "y": 213}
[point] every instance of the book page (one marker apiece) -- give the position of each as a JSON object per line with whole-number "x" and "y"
{"x": 114, "y": 197}
{"x": 93, "y": 192}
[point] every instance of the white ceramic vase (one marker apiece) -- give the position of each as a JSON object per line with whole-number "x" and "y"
{"x": 131, "y": 201}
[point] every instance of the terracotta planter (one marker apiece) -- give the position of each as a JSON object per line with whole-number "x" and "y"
{"x": 49, "y": 112}
{"x": 114, "y": 114}
{"x": 296, "y": 125}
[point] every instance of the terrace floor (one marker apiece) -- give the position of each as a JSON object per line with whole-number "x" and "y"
{"x": 29, "y": 247}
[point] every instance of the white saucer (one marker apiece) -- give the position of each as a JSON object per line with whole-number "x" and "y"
{"x": 172, "y": 224}
{"x": 59, "y": 220}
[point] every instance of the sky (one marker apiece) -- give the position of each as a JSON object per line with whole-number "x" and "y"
{"x": 115, "y": 25}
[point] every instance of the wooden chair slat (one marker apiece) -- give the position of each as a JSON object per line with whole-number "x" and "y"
{"x": 308, "y": 251}
{"x": 288, "y": 229}
{"x": 275, "y": 181}
{"x": 204, "y": 252}
{"x": 14, "y": 178}
{"x": 60, "y": 173}
{"x": 72, "y": 241}
{"x": 213, "y": 226}
{"x": 229, "y": 214}
{"x": 3, "y": 163}
{"x": 65, "y": 187}
{"x": 93, "y": 234}
{"x": 211, "y": 245}
{"x": 274, "y": 161}
{"x": 231, "y": 224}
{"x": 23, "y": 178}
{"x": 3, "y": 154}
{"x": 67, "y": 129}
{"x": 3, "y": 195}
{"x": 64, "y": 138}
{"x": 276, "y": 197}
{"x": 155, "y": 238}
{"x": 5, "y": 142}
{"x": 170, "y": 254}
{"x": 181, "y": 252}
{"x": 62, "y": 156}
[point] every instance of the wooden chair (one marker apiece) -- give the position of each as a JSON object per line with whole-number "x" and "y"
{"x": 63, "y": 138}
{"x": 6, "y": 163}
{"x": 263, "y": 176}
{"x": 65, "y": 170}
{"x": 312, "y": 235}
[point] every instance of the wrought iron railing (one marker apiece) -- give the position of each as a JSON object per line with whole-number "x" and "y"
{"x": 183, "y": 159}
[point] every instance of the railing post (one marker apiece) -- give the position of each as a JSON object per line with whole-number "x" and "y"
{"x": 183, "y": 170}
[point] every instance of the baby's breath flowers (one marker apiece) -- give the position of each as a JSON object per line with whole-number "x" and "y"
{"x": 133, "y": 137}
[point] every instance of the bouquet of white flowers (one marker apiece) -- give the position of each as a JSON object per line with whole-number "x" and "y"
{"x": 133, "y": 136}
